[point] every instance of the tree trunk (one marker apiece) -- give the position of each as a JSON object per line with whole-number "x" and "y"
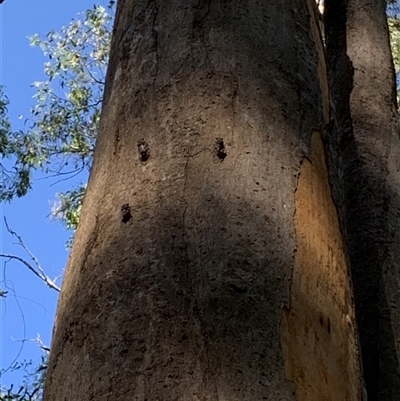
{"x": 209, "y": 262}
{"x": 365, "y": 150}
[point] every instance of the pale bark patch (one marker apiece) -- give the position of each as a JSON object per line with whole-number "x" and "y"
{"x": 318, "y": 329}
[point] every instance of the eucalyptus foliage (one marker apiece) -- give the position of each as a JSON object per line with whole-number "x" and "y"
{"x": 31, "y": 388}
{"x": 394, "y": 28}
{"x": 64, "y": 121}
{"x": 393, "y": 13}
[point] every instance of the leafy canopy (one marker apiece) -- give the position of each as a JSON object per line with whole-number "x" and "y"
{"x": 64, "y": 121}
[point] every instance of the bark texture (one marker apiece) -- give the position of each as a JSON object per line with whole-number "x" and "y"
{"x": 319, "y": 331}
{"x": 184, "y": 282}
{"x": 365, "y": 146}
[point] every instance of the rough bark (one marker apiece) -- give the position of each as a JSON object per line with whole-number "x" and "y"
{"x": 365, "y": 151}
{"x": 208, "y": 263}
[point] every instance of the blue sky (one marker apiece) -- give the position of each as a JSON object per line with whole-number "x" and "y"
{"x": 29, "y": 308}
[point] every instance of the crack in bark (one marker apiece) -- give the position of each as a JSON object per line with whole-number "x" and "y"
{"x": 234, "y": 99}
{"x": 155, "y": 36}
{"x": 199, "y": 23}
{"x": 92, "y": 241}
{"x": 200, "y": 325}
{"x": 116, "y": 141}
{"x": 185, "y": 236}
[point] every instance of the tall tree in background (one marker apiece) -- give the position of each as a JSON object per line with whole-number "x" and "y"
{"x": 210, "y": 261}
{"x": 365, "y": 155}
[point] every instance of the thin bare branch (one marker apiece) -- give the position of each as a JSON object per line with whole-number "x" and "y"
{"x": 35, "y": 268}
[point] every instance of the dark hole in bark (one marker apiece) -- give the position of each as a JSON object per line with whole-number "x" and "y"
{"x": 237, "y": 289}
{"x": 126, "y": 212}
{"x": 219, "y": 149}
{"x": 144, "y": 150}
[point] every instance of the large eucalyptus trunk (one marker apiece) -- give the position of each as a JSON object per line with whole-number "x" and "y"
{"x": 210, "y": 261}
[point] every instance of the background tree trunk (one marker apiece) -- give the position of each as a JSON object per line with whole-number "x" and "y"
{"x": 365, "y": 150}
{"x": 209, "y": 263}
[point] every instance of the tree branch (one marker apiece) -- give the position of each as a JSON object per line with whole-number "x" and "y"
{"x": 36, "y": 269}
